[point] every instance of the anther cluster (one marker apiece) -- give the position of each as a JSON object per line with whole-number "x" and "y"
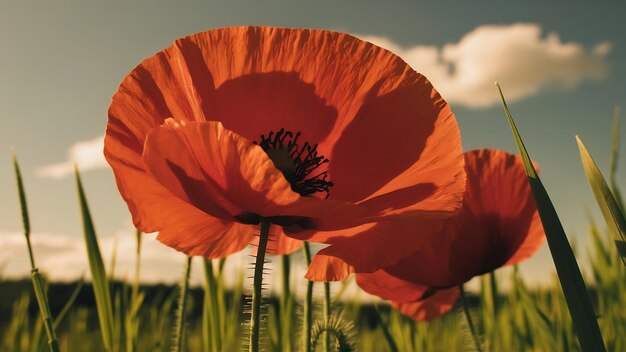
{"x": 297, "y": 162}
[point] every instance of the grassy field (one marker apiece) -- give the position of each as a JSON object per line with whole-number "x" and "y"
{"x": 519, "y": 319}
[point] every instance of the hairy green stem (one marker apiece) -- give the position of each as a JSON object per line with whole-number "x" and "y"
{"x": 211, "y": 313}
{"x": 308, "y": 304}
{"x": 258, "y": 285}
{"x": 470, "y": 323}
{"x": 286, "y": 304}
{"x": 179, "y": 331}
{"x": 327, "y": 340}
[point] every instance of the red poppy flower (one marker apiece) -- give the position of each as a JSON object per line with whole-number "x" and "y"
{"x": 313, "y": 130}
{"x": 498, "y": 225}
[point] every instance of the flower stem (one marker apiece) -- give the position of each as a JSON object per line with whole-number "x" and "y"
{"x": 327, "y": 342}
{"x": 258, "y": 283}
{"x": 308, "y": 304}
{"x": 179, "y": 328}
{"x": 286, "y": 305}
{"x": 470, "y": 323}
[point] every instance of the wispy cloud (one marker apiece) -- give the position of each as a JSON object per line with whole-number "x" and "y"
{"x": 86, "y": 154}
{"x": 62, "y": 257}
{"x": 519, "y": 56}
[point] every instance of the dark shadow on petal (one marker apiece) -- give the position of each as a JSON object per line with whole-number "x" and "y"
{"x": 401, "y": 198}
{"x": 255, "y": 104}
{"x": 200, "y": 76}
{"x": 385, "y": 138}
{"x": 197, "y": 193}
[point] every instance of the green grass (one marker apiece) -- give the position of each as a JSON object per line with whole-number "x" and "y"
{"x": 525, "y": 319}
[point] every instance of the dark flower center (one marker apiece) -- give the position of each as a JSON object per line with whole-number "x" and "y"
{"x": 297, "y": 162}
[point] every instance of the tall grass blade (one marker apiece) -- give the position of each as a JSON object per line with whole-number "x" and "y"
{"x": 572, "y": 283}
{"x": 468, "y": 317}
{"x": 38, "y": 285}
{"x": 70, "y": 302}
{"x": 608, "y": 205}
{"x": 614, "y": 158}
{"x": 391, "y": 342}
{"x": 132, "y": 314}
{"x": 101, "y": 286}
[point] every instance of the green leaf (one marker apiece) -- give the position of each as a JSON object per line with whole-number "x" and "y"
{"x": 98, "y": 273}
{"x": 608, "y": 204}
{"x": 572, "y": 283}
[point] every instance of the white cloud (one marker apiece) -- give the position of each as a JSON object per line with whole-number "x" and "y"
{"x": 86, "y": 154}
{"x": 519, "y": 56}
{"x": 63, "y": 258}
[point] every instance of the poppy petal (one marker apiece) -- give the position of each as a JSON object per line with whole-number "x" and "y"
{"x": 408, "y": 161}
{"x": 391, "y": 288}
{"x": 368, "y": 248}
{"x": 193, "y": 232}
{"x": 533, "y": 241}
{"x": 498, "y": 225}
{"x": 502, "y": 204}
{"x": 442, "y": 301}
{"x": 290, "y": 78}
{"x": 278, "y": 243}
{"x": 211, "y": 167}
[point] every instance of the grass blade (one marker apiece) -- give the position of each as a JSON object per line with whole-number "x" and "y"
{"x": 572, "y": 283}
{"x": 132, "y": 314}
{"x": 70, "y": 302}
{"x": 468, "y": 318}
{"x": 608, "y": 205}
{"x": 98, "y": 273}
{"x": 38, "y": 285}
{"x": 614, "y": 157}
{"x": 391, "y": 342}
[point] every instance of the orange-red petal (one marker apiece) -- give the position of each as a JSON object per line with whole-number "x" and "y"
{"x": 328, "y": 86}
{"x": 408, "y": 162}
{"x": 368, "y": 248}
{"x": 193, "y": 232}
{"x": 497, "y": 226}
{"x": 440, "y": 302}
{"x": 386, "y": 286}
{"x": 209, "y": 166}
{"x": 278, "y": 243}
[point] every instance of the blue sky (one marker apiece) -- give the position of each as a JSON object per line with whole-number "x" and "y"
{"x": 60, "y": 63}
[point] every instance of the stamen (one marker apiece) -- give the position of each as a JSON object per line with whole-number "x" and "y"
{"x": 296, "y": 162}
